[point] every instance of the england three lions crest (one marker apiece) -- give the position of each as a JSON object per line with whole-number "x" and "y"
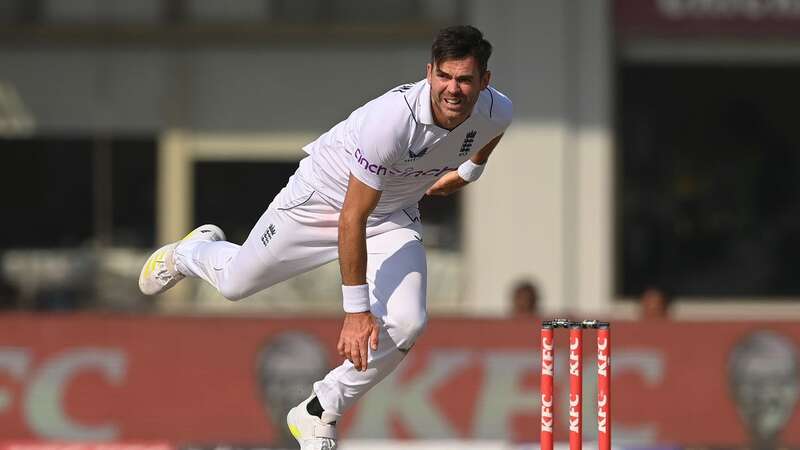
{"x": 466, "y": 146}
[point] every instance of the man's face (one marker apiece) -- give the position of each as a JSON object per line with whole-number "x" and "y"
{"x": 654, "y": 305}
{"x": 286, "y": 368}
{"x": 766, "y": 392}
{"x": 763, "y": 370}
{"x": 455, "y": 87}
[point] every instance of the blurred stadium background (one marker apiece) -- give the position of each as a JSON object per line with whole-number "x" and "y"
{"x": 655, "y": 144}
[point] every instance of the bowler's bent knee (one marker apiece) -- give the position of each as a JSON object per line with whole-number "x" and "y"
{"x": 232, "y": 291}
{"x": 407, "y": 328}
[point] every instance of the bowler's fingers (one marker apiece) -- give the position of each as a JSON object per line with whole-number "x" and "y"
{"x": 364, "y": 353}
{"x": 355, "y": 355}
{"x": 437, "y": 191}
{"x": 373, "y": 339}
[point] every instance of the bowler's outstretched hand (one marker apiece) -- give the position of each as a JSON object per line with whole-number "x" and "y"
{"x": 358, "y": 331}
{"x": 448, "y": 184}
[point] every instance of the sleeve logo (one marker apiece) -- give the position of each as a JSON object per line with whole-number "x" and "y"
{"x": 403, "y": 88}
{"x": 269, "y": 233}
{"x": 368, "y": 166}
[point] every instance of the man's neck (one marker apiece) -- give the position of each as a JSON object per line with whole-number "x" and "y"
{"x": 439, "y": 123}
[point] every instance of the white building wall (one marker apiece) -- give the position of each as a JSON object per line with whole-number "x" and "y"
{"x": 542, "y": 210}
{"x": 594, "y": 165}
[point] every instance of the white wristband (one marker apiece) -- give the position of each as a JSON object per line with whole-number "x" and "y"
{"x": 355, "y": 299}
{"x": 469, "y": 171}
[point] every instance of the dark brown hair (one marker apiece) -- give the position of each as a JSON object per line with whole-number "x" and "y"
{"x": 458, "y": 42}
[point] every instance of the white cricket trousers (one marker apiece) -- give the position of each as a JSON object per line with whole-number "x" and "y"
{"x": 298, "y": 232}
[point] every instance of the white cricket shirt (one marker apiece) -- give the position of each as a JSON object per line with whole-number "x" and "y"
{"x": 393, "y": 145}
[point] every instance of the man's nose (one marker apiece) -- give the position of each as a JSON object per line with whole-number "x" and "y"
{"x": 452, "y": 87}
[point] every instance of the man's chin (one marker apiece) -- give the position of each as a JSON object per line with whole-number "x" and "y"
{"x": 454, "y": 117}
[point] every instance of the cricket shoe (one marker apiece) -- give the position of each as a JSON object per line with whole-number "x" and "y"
{"x": 309, "y": 430}
{"x": 159, "y": 272}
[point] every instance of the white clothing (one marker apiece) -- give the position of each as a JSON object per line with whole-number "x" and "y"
{"x": 393, "y": 145}
{"x": 297, "y": 233}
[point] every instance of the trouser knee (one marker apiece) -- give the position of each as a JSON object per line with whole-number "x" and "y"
{"x": 231, "y": 291}
{"x": 406, "y": 329}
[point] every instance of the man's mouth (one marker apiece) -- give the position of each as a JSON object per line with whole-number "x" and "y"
{"x": 452, "y": 101}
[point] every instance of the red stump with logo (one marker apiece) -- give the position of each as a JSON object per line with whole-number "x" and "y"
{"x": 546, "y": 387}
{"x": 604, "y": 388}
{"x": 575, "y": 387}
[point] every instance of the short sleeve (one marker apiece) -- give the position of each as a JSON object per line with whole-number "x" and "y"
{"x": 502, "y": 110}
{"x": 379, "y": 145}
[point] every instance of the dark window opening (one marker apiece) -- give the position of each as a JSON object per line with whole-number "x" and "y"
{"x": 709, "y": 180}
{"x": 50, "y": 192}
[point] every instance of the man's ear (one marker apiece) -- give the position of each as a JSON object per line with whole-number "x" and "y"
{"x": 429, "y": 72}
{"x": 485, "y": 79}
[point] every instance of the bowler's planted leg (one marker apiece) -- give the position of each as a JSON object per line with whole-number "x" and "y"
{"x": 397, "y": 277}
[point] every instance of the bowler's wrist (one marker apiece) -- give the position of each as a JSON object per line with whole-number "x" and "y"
{"x": 469, "y": 171}
{"x": 355, "y": 299}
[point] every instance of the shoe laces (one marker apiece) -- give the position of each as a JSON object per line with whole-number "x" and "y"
{"x": 162, "y": 272}
{"x": 164, "y": 275}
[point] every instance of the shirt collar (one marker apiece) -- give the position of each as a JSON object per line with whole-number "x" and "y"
{"x": 425, "y": 112}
